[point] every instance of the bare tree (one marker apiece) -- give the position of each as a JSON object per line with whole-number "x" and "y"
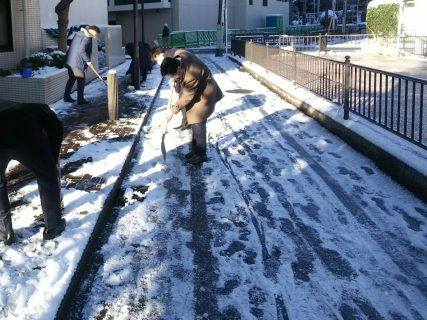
{"x": 61, "y": 10}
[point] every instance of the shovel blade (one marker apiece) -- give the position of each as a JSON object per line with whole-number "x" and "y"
{"x": 163, "y": 147}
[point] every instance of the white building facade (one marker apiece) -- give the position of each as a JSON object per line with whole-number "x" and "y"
{"x": 22, "y": 23}
{"x": 412, "y": 18}
{"x": 412, "y": 15}
{"x": 188, "y": 15}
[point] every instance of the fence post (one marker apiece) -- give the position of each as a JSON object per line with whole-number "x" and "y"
{"x": 250, "y": 46}
{"x": 113, "y": 97}
{"x": 323, "y": 42}
{"x": 294, "y": 56}
{"x": 266, "y": 57}
{"x": 347, "y": 80}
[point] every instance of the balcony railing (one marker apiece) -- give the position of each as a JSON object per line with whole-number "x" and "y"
{"x": 127, "y": 5}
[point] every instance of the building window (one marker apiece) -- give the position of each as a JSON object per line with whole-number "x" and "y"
{"x": 251, "y": 2}
{"x": 265, "y": 3}
{"x": 127, "y": 2}
{"x": 6, "y": 40}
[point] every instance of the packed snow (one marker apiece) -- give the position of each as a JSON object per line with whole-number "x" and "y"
{"x": 284, "y": 221}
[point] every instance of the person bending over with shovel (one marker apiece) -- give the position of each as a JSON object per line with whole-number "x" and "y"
{"x": 198, "y": 94}
{"x": 31, "y": 133}
{"x": 77, "y": 59}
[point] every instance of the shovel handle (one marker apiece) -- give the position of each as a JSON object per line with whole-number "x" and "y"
{"x": 96, "y": 72}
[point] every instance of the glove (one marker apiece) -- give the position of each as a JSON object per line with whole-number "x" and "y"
{"x": 171, "y": 82}
{"x": 174, "y": 109}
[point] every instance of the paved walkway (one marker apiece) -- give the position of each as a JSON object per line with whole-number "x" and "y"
{"x": 315, "y": 256}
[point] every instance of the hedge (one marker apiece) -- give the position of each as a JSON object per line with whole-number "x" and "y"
{"x": 383, "y": 19}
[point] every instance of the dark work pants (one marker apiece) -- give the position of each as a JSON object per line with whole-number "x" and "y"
{"x": 41, "y": 162}
{"x": 198, "y": 141}
{"x": 72, "y": 78}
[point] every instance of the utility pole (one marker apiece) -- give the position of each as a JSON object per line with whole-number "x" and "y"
{"x": 142, "y": 22}
{"x": 220, "y": 29}
{"x": 344, "y": 17}
{"x": 135, "y": 59}
{"x": 334, "y": 4}
{"x": 304, "y": 12}
{"x": 226, "y": 26}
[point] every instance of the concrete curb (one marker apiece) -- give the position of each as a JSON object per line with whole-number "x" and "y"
{"x": 400, "y": 171}
{"x": 79, "y": 274}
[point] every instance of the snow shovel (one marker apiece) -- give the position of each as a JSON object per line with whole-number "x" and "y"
{"x": 168, "y": 117}
{"x": 98, "y": 75}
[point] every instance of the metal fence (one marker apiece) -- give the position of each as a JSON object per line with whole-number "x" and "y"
{"x": 325, "y": 42}
{"x": 392, "y": 101}
{"x": 416, "y": 45}
{"x": 197, "y": 38}
{"x": 412, "y": 44}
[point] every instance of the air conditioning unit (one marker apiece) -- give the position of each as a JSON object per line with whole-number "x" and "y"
{"x": 409, "y": 3}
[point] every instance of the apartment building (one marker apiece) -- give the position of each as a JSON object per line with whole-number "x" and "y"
{"x": 22, "y": 23}
{"x": 412, "y": 19}
{"x": 186, "y": 15}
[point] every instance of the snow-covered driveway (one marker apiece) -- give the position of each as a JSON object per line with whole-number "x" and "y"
{"x": 285, "y": 221}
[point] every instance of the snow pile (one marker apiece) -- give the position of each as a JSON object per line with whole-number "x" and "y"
{"x": 376, "y": 3}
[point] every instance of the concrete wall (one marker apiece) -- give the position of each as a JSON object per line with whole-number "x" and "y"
{"x": 112, "y": 38}
{"x": 244, "y": 16}
{"x": 195, "y": 15}
{"x": 81, "y": 12}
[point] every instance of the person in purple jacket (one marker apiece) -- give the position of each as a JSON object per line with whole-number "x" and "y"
{"x": 77, "y": 60}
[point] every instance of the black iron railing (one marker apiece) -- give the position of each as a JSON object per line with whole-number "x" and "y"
{"x": 393, "y": 101}
{"x": 416, "y": 45}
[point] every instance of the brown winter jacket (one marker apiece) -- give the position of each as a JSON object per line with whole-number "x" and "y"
{"x": 198, "y": 90}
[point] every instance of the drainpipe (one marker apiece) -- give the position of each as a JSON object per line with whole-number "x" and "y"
{"x": 26, "y": 33}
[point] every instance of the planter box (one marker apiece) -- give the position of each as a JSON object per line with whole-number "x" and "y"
{"x": 41, "y": 89}
{"x": 47, "y": 88}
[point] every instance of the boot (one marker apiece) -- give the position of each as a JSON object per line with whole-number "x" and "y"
{"x": 7, "y": 238}
{"x": 53, "y": 233}
{"x": 196, "y": 159}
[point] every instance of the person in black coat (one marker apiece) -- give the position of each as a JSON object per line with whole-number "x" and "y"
{"x": 77, "y": 59}
{"x": 165, "y": 36}
{"x": 32, "y": 134}
{"x": 145, "y": 62}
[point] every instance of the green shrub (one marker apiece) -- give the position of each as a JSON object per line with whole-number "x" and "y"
{"x": 383, "y": 20}
{"x": 4, "y": 72}
{"x": 47, "y": 58}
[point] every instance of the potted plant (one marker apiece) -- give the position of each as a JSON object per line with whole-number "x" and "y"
{"x": 26, "y": 68}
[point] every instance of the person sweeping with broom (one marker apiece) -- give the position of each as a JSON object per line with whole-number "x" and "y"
{"x": 77, "y": 59}
{"x": 198, "y": 94}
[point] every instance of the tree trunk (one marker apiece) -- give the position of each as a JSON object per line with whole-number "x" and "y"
{"x": 61, "y": 10}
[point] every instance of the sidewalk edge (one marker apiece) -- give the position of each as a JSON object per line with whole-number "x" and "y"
{"x": 79, "y": 273}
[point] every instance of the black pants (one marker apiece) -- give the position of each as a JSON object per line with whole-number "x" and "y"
{"x": 198, "y": 141}
{"x": 39, "y": 160}
{"x": 72, "y": 78}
